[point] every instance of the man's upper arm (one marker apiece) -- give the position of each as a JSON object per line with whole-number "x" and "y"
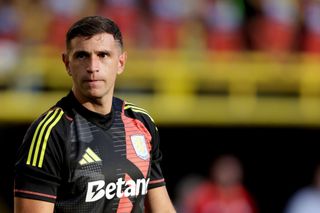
{"x": 158, "y": 201}
{"x": 23, "y": 205}
{"x": 40, "y": 159}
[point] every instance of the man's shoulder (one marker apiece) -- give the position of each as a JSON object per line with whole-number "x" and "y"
{"x": 54, "y": 115}
{"x": 50, "y": 115}
{"x": 49, "y": 121}
{"x": 136, "y": 111}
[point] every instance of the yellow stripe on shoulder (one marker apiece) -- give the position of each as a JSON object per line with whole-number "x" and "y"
{"x": 137, "y": 109}
{"x": 44, "y": 145}
{"x": 41, "y": 136}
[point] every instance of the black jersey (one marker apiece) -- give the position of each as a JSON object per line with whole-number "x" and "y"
{"x": 86, "y": 162}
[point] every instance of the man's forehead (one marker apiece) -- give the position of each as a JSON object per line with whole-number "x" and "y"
{"x": 99, "y": 38}
{"x": 98, "y": 42}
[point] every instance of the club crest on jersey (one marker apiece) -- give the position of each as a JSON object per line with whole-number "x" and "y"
{"x": 140, "y": 146}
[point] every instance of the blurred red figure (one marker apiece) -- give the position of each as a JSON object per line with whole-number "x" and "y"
{"x": 223, "y": 20}
{"x": 127, "y": 13}
{"x": 62, "y": 14}
{"x": 224, "y": 193}
{"x": 276, "y": 30}
{"x": 311, "y": 14}
{"x": 167, "y": 22}
{"x": 9, "y": 26}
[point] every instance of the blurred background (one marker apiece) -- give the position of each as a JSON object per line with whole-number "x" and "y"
{"x": 239, "y": 77}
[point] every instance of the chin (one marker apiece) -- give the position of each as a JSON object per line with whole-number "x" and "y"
{"x": 95, "y": 94}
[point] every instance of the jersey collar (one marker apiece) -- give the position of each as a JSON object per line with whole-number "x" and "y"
{"x": 103, "y": 121}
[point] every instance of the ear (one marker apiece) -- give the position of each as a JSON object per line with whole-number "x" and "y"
{"x": 122, "y": 62}
{"x": 65, "y": 60}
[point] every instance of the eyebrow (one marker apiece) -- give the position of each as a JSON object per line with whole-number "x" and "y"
{"x": 81, "y": 52}
{"x": 107, "y": 52}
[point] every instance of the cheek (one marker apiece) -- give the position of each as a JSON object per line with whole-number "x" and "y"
{"x": 108, "y": 69}
{"x": 76, "y": 70}
{"x": 76, "y": 76}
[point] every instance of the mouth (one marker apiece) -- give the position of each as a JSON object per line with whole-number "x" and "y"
{"x": 91, "y": 80}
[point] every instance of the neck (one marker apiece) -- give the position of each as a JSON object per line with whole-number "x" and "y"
{"x": 99, "y": 105}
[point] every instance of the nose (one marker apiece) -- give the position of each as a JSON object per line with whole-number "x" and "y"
{"x": 93, "y": 64}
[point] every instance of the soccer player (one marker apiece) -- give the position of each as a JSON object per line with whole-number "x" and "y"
{"x": 91, "y": 152}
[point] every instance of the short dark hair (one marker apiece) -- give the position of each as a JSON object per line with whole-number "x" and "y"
{"x": 92, "y": 25}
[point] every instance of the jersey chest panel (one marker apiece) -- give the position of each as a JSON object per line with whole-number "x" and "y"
{"x": 109, "y": 168}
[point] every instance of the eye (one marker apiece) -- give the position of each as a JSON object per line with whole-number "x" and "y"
{"x": 104, "y": 54}
{"x": 81, "y": 55}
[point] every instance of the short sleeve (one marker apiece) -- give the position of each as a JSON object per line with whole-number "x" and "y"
{"x": 39, "y": 160}
{"x": 156, "y": 176}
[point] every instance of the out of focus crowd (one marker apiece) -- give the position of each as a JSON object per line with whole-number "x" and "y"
{"x": 217, "y": 25}
{"x": 223, "y": 191}
{"x": 273, "y": 27}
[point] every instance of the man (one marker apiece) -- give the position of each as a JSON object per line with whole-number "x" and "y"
{"x": 306, "y": 199}
{"x": 224, "y": 192}
{"x": 91, "y": 152}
